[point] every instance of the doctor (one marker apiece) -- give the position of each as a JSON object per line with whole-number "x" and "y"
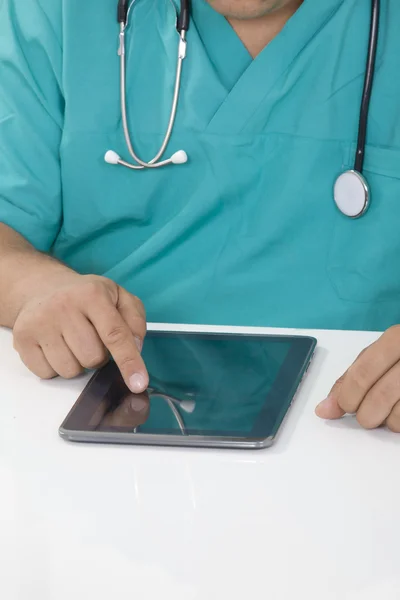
{"x": 246, "y": 232}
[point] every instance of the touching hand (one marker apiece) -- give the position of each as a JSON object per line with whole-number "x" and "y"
{"x": 78, "y": 325}
{"x": 370, "y": 389}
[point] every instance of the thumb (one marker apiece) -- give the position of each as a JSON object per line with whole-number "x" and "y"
{"x": 329, "y": 408}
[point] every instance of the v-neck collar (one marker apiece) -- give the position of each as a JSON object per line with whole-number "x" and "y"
{"x": 227, "y": 53}
{"x": 249, "y": 82}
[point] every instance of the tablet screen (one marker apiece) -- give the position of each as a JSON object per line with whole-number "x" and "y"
{"x": 200, "y": 384}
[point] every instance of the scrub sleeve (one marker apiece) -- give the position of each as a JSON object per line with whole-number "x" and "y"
{"x": 31, "y": 119}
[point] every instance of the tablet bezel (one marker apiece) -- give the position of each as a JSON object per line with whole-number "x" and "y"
{"x": 264, "y": 432}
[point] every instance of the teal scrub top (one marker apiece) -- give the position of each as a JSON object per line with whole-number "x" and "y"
{"x": 246, "y": 233}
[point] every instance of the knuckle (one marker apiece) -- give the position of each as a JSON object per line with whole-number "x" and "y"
{"x": 92, "y": 289}
{"x": 359, "y": 374}
{"x": 127, "y": 364}
{"x": 139, "y": 307}
{"x": 139, "y": 327}
{"x": 95, "y": 360}
{"x": 377, "y": 404}
{"x": 20, "y": 336}
{"x": 25, "y": 327}
{"x": 384, "y": 396}
{"x": 23, "y": 341}
{"x": 116, "y": 336}
{"x": 60, "y": 301}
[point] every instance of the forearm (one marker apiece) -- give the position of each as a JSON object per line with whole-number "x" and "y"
{"x": 24, "y": 272}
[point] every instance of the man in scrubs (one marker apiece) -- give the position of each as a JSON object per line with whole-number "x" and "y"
{"x": 245, "y": 233}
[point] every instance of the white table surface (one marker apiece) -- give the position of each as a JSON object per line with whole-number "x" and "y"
{"x": 316, "y": 517}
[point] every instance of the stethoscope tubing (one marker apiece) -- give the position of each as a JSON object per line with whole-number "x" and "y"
{"x": 351, "y": 190}
{"x": 180, "y": 157}
{"x": 368, "y": 86}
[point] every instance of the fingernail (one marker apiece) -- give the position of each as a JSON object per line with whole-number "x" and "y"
{"x": 137, "y": 383}
{"x": 139, "y": 343}
{"x": 139, "y": 404}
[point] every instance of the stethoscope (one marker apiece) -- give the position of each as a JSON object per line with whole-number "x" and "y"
{"x": 176, "y": 406}
{"x": 351, "y": 190}
{"x": 180, "y": 157}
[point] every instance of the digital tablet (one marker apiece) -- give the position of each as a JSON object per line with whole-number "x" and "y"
{"x": 206, "y": 390}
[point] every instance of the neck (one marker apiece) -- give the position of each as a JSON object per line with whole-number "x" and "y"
{"x": 258, "y": 32}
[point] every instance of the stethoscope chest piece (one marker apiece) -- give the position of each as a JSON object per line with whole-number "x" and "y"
{"x": 352, "y": 195}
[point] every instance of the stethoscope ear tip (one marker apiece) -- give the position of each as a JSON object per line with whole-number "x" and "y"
{"x": 112, "y": 158}
{"x": 179, "y": 158}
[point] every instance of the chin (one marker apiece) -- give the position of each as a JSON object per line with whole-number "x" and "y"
{"x": 246, "y": 9}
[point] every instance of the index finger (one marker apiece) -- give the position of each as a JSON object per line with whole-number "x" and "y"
{"x": 369, "y": 367}
{"x": 121, "y": 342}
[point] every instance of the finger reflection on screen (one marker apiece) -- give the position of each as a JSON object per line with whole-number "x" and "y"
{"x": 130, "y": 411}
